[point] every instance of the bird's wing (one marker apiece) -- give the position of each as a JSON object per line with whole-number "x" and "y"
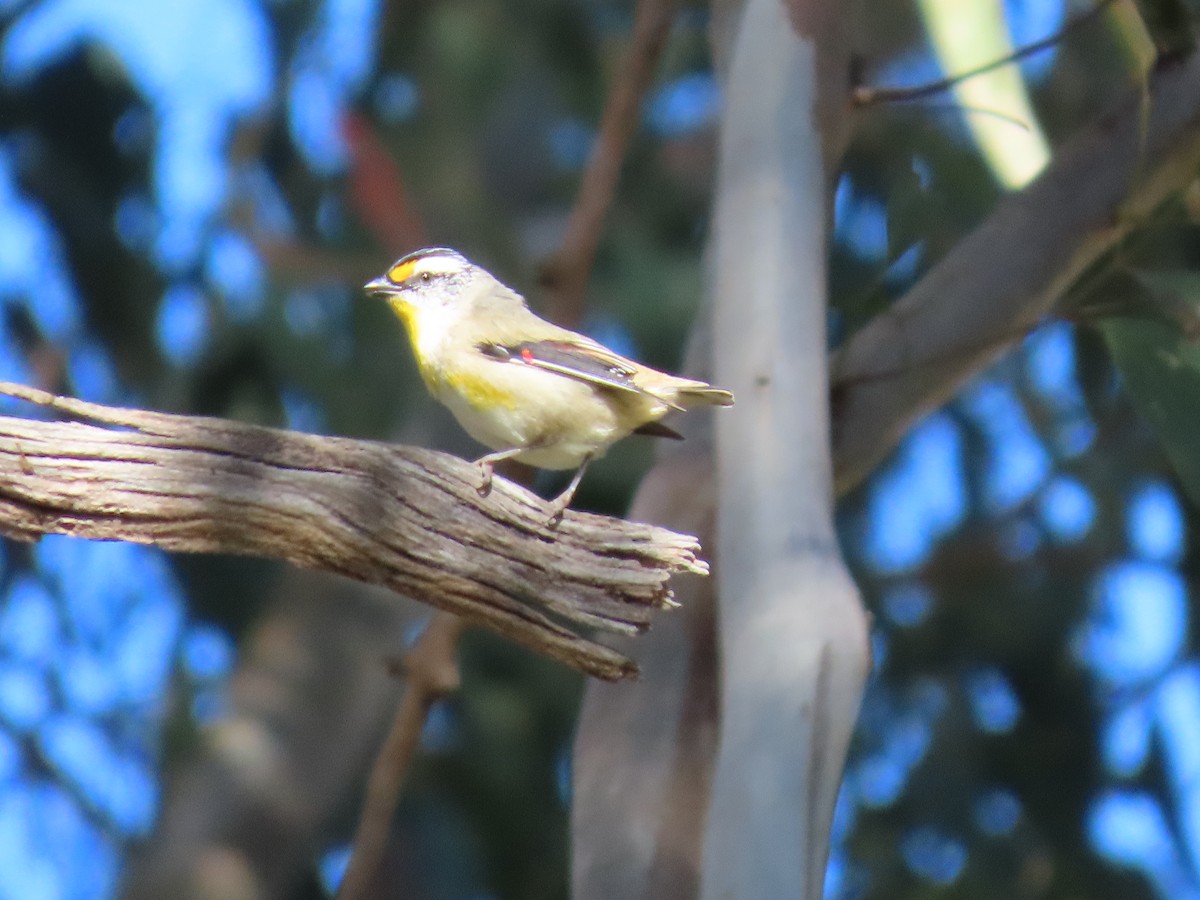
{"x": 584, "y": 361}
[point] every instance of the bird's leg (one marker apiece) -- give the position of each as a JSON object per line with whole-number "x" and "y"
{"x": 560, "y": 503}
{"x": 487, "y": 465}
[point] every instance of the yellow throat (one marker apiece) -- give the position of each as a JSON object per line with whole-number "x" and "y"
{"x": 480, "y": 392}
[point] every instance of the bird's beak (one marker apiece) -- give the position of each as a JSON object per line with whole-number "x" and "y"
{"x": 380, "y": 287}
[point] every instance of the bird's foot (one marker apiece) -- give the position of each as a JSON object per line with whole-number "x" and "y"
{"x": 485, "y": 486}
{"x": 559, "y": 504}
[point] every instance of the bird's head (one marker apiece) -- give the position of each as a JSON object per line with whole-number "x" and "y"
{"x": 425, "y": 284}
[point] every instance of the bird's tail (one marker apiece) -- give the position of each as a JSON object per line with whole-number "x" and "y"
{"x": 685, "y": 393}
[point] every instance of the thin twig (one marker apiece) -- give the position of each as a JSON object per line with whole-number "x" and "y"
{"x": 865, "y": 95}
{"x": 565, "y": 275}
{"x": 431, "y": 672}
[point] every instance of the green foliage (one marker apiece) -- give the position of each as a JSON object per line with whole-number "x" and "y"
{"x": 1160, "y": 367}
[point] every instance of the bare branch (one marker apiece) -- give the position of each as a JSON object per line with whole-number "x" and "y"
{"x": 431, "y": 669}
{"x": 865, "y": 95}
{"x": 1013, "y": 270}
{"x": 402, "y": 517}
{"x": 565, "y": 275}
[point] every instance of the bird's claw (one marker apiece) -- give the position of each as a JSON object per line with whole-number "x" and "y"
{"x": 485, "y": 487}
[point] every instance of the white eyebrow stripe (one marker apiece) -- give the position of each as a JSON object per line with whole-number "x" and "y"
{"x": 438, "y": 265}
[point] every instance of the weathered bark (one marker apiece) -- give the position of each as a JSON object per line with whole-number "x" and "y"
{"x": 401, "y": 517}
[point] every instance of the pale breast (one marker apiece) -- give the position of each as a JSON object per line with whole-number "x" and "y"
{"x": 562, "y": 418}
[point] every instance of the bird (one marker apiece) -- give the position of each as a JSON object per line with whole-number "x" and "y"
{"x": 524, "y": 387}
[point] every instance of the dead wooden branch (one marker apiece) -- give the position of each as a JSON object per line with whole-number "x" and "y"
{"x": 402, "y": 517}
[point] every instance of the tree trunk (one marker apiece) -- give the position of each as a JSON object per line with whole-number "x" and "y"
{"x": 793, "y": 648}
{"x": 793, "y": 635}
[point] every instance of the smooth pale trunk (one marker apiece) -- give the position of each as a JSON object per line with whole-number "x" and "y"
{"x": 792, "y": 632}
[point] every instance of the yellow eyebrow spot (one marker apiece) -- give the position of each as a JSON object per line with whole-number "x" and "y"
{"x": 399, "y": 274}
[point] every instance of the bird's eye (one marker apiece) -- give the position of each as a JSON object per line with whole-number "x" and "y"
{"x": 426, "y": 277}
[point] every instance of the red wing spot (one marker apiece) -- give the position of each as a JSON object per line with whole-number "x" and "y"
{"x": 527, "y": 354}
